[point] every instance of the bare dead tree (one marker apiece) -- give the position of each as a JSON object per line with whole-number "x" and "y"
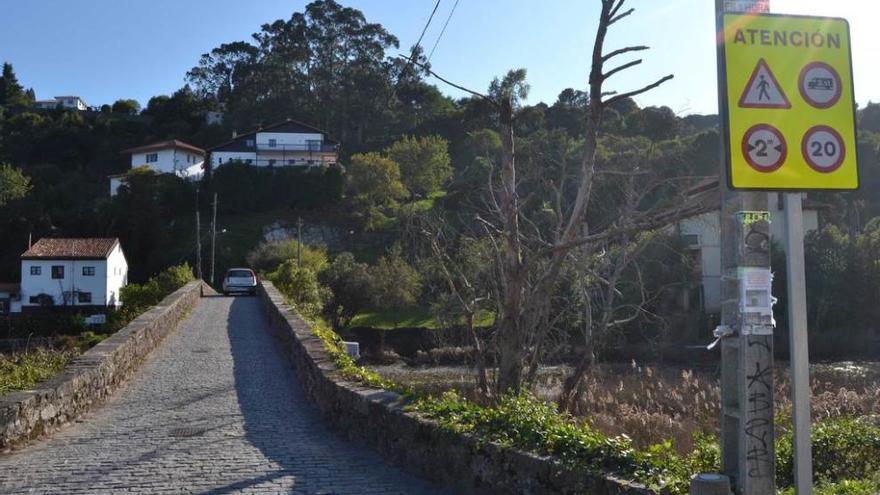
{"x": 530, "y": 261}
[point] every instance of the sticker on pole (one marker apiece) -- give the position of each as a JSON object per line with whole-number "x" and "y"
{"x": 764, "y": 148}
{"x": 763, "y": 90}
{"x": 787, "y": 103}
{"x": 820, "y": 85}
{"x": 824, "y": 149}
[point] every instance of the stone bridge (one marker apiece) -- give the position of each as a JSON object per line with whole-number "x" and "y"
{"x": 215, "y": 409}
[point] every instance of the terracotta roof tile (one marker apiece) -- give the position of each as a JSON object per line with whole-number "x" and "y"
{"x": 174, "y": 143}
{"x": 94, "y": 248}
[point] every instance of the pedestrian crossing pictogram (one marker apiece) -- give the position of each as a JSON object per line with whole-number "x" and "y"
{"x": 763, "y": 90}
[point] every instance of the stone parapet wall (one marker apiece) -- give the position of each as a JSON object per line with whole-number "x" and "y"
{"x": 93, "y": 376}
{"x": 378, "y": 418}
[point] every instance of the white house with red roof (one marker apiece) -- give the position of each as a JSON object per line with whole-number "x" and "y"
{"x": 81, "y": 273}
{"x": 165, "y": 157}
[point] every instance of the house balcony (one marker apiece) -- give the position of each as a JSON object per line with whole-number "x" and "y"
{"x": 297, "y": 148}
{"x": 292, "y": 161}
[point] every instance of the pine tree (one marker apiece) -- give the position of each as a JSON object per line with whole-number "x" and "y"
{"x": 11, "y": 92}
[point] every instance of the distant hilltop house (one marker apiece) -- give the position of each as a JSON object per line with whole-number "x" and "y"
{"x": 701, "y": 234}
{"x": 74, "y": 273}
{"x": 214, "y": 117}
{"x": 288, "y": 143}
{"x": 166, "y": 157}
{"x": 65, "y": 102}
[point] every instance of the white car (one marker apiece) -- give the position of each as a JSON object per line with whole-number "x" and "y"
{"x": 240, "y": 281}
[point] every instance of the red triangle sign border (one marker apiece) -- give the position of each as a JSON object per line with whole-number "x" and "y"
{"x": 742, "y": 99}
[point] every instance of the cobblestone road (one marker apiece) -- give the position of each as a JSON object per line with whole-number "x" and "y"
{"x": 242, "y": 425}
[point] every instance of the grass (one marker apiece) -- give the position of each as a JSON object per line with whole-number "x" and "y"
{"x": 410, "y": 318}
{"x": 390, "y": 320}
{"x": 23, "y": 371}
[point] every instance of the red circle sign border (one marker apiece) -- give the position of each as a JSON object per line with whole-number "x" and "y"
{"x": 838, "y": 86}
{"x": 774, "y": 131}
{"x": 806, "y": 152}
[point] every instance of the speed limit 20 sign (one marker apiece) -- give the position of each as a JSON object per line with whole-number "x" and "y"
{"x": 787, "y": 90}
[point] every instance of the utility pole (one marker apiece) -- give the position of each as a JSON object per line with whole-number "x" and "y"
{"x": 198, "y": 240}
{"x": 299, "y": 228}
{"x": 213, "y": 237}
{"x": 747, "y": 428}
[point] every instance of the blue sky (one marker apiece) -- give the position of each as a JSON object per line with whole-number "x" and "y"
{"x": 103, "y": 50}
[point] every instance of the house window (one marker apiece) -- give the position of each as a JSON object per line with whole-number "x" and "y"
{"x": 84, "y": 297}
{"x": 36, "y": 270}
{"x": 291, "y": 162}
{"x": 57, "y": 271}
{"x": 249, "y": 161}
{"x": 220, "y": 160}
{"x": 273, "y": 143}
{"x": 691, "y": 240}
{"x": 88, "y": 271}
{"x": 271, "y": 162}
{"x": 152, "y": 157}
{"x": 314, "y": 144}
{"x": 249, "y": 143}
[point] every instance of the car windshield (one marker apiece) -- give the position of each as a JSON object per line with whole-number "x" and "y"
{"x": 239, "y": 274}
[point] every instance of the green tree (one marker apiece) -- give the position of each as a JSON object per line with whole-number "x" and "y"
{"x": 375, "y": 180}
{"x": 11, "y": 92}
{"x": 14, "y": 184}
{"x": 394, "y": 284}
{"x": 126, "y": 106}
{"x": 349, "y": 283}
{"x": 424, "y": 163}
{"x": 869, "y": 117}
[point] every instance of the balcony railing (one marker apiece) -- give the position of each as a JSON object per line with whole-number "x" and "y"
{"x": 289, "y": 162}
{"x": 306, "y": 148}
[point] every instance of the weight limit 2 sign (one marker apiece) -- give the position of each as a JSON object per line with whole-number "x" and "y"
{"x": 789, "y": 103}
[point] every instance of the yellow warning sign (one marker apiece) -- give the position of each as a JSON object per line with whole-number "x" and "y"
{"x": 787, "y": 88}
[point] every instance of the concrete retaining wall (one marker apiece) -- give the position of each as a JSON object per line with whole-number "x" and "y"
{"x": 93, "y": 376}
{"x": 377, "y": 418}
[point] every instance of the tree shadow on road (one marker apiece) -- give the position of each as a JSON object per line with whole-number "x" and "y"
{"x": 281, "y": 423}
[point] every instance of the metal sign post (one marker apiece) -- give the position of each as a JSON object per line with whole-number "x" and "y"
{"x": 797, "y": 335}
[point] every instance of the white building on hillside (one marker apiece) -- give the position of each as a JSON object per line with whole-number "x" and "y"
{"x": 702, "y": 235}
{"x": 287, "y": 143}
{"x": 166, "y": 157}
{"x": 84, "y": 273}
{"x": 65, "y": 102}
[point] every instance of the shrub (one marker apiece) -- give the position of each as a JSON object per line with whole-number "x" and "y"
{"x": 300, "y": 285}
{"x": 173, "y": 278}
{"x": 843, "y": 449}
{"x": 268, "y": 255}
{"x": 394, "y": 284}
{"x": 23, "y": 371}
{"x": 349, "y": 284}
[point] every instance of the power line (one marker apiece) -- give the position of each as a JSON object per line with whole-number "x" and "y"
{"x": 454, "y": 6}
{"x": 412, "y": 54}
{"x": 425, "y": 29}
